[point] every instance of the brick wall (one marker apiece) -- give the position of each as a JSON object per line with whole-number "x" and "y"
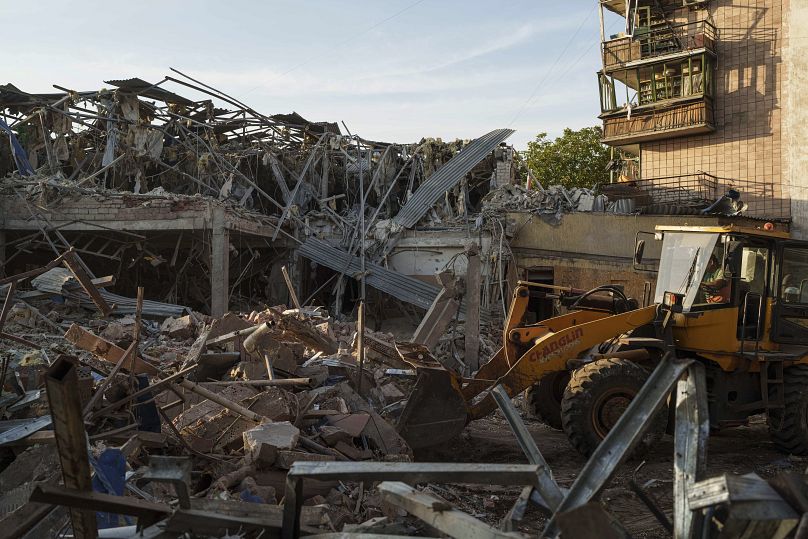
{"x": 109, "y": 208}
{"x": 749, "y": 79}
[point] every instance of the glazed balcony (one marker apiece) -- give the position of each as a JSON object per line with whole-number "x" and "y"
{"x": 659, "y": 41}
{"x": 689, "y": 116}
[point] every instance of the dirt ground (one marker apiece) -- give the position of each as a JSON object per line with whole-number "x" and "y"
{"x": 739, "y": 450}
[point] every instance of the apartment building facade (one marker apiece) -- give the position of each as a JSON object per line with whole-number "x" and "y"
{"x": 709, "y": 94}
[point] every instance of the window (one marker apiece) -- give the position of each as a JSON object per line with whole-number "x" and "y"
{"x": 753, "y": 270}
{"x": 683, "y": 266}
{"x": 794, "y": 282}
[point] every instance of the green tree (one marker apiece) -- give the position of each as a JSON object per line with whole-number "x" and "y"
{"x": 575, "y": 159}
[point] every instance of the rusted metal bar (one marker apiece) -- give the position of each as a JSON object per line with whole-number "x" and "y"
{"x": 61, "y": 382}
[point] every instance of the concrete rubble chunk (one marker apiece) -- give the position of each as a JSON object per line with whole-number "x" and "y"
{"x": 332, "y": 435}
{"x": 180, "y": 328}
{"x": 285, "y": 459}
{"x": 262, "y": 444}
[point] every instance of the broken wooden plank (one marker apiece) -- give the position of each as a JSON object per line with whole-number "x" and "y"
{"x": 443, "y": 310}
{"x": 104, "y": 349}
{"x": 72, "y": 263}
{"x": 62, "y": 382}
{"x": 440, "y": 515}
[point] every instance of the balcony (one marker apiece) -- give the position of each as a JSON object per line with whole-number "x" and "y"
{"x": 663, "y": 120}
{"x": 668, "y": 41}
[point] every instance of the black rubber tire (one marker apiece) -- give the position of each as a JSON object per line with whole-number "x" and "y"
{"x": 596, "y": 396}
{"x": 788, "y": 427}
{"x": 543, "y": 399}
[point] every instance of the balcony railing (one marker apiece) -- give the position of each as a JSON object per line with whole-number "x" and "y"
{"x": 653, "y": 123}
{"x": 656, "y": 42}
{"x": 690, "y": 194}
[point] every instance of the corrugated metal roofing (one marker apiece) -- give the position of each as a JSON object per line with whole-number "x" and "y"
{"x": 448, "y": 175}
{"x": 396, "y": 284}
{"x": 60, "y": 282}
{"x": 147, "y": 89}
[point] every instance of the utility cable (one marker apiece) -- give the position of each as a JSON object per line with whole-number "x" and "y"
{"x": 549, "y": 71}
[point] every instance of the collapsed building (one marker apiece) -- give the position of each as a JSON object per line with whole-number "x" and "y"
{"x": 171, "y": 191}
{"x": 233, "y": 302}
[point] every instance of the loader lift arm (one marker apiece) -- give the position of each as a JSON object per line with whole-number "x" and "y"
{"x": 442, "y": 403}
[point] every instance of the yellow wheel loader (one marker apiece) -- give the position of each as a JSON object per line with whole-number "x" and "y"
{"x": 734, "y": 298}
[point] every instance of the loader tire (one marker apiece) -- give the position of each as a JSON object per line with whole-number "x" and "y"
{"x": 597, "y": 395}
{"x": 543, "y": 399}
{"x": 788, "y": 427}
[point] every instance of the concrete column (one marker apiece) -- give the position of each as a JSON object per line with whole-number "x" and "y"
{"x": 219, "y": 264}
{"x": 473, "y": 278}
{"x": 795, "y": 112}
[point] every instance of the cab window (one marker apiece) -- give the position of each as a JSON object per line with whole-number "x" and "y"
{"x": 794, "y": 283}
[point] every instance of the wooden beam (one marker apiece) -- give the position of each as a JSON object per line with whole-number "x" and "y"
{"x": 71, "y": 261}
{"x": 440, "y": 515}
{"x": 104, "y": 349}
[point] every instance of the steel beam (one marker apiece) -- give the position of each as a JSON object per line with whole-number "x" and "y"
{"x": 62, "y": 384}
{"x": 622, "y": 438}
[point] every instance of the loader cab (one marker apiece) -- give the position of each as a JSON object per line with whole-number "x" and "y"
{"x": 753, "y": 280}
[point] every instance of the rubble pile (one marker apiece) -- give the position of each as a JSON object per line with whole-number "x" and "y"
{"x": 237, "y": 399}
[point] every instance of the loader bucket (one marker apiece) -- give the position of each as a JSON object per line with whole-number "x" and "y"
{"x": 435, "y": 411}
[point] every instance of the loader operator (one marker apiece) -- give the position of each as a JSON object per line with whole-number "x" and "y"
{"x": 714, "y": 286}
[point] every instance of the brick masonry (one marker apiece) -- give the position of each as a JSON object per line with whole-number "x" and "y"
{"x": 750, "y": 86}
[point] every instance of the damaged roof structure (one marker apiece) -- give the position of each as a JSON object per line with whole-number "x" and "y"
{"x": 138, "y": 173}
{"x": 187, "y": 347}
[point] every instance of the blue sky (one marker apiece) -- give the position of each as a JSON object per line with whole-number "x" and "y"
{"x": 393, "y": 70}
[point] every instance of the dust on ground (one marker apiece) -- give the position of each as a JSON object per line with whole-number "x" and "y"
{"x": 738, "y": 450}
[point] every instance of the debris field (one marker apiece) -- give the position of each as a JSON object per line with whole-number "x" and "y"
{"x": 207, "y": 331}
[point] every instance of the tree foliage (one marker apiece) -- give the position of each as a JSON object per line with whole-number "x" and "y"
{"x": 575, "y": 159}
